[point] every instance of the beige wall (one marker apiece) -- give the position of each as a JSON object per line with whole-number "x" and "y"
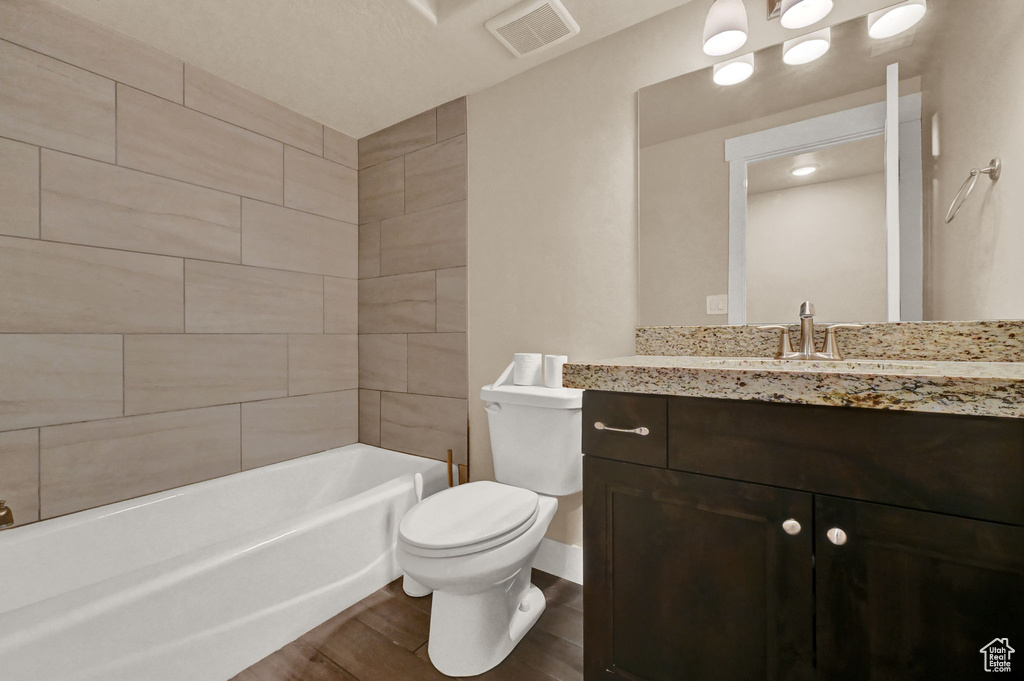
{"x": 178, "y": 260}
{"x": 552, "y": 214}
{"x": 823, "y": 241}
{"x": 973, "y": 266}
{"x": 412, "y": 288}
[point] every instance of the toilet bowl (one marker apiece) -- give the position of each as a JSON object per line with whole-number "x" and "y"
{"x": 473, "y": 545}
{"x": 483, "y": 600}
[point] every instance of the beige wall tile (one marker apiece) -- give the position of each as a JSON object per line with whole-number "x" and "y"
{"x": 341, "y": 148}
{"x": 84, "y": 465}
{"x": 217, "y": 97}
{"x": 167, "y": 139}
{"x": 402, "y": 303}
{"x": 438, "y": 364}
{"x": 369, "y": 250}
{"x": 436, "y": 175}
{"x": 92, "y": 203}
{"x": 19, "y": 474}
{"x": 47, "y": 379}
{"x": 382, "y": 191}
{"x": 369, "y": 417}
{"x": 341, "y": 305}
{"x": 419, "y": 424}
{"x": 59, "y": 288}
{"x": 51, "y": 30}
{"x": 53, "y": 104}
{"x": 276, "y": 430}
{"x": 292, "y": 240}
{"x": 451, "y": 119}
{"x": 431, "y": 239}
{"x": 382, "y": 362}
{"x": 451, "y": 299}
{"x": 223, "y": 298}
{"x": 399, "y": 139}
{"x": 319, "y": 363}
{"x": 166, "y": 372}
{"x": 316, "y": 185}
{"x": 19, "y": 187}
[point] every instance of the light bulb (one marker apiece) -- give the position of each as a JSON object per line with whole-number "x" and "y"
{"x": 734, "y": 71}
{"x": 895, "y": 20}
{"x": 802, "y": 13}
{"x": 725, "y": 29}
{"x": 806, "y": 49}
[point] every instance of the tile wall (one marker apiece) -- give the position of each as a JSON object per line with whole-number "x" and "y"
{"x": 413, "y": 366}
{"x": 178, "y": 273}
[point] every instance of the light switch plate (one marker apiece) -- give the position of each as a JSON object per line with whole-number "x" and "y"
{"x": 718, "y": 304}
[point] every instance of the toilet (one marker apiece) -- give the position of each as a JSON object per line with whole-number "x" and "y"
{"x": 473, "y": 545}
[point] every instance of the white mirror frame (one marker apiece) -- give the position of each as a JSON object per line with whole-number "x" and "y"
{"x": 904, "y": 234}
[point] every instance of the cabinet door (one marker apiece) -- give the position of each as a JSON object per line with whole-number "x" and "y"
{"x": 913, "y": 595}
{"x": 690, "y": 577}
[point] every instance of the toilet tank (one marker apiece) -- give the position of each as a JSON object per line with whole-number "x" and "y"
{"x": 536, "y": 435}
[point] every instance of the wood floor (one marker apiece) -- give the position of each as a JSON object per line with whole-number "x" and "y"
{"x": 384, "y": 638}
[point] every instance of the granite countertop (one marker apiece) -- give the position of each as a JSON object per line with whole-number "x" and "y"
{"x": 967, "y": 388}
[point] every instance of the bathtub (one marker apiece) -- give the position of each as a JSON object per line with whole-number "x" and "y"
{"x": 199, "y": 582}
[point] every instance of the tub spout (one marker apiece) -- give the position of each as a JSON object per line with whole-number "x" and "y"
{"x": 6, "y": 516}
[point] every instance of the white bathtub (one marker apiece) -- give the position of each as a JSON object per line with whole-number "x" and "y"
{"x": 197, "y": 583}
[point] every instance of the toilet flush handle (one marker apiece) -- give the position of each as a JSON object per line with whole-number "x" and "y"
{"x": 492, "y": 407}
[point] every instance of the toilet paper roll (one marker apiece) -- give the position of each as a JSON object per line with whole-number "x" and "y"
{"x": 527, "y": 368}
{"x": 553, "y": 370}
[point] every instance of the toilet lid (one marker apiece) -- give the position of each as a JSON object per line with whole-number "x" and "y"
{"x": 469, "y": 514}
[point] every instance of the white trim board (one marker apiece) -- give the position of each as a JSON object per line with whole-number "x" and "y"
{"x": 560, "y": 560}
{"x": 905, "y": 235}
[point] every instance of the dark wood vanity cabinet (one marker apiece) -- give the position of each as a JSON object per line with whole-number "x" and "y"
{"x": 713, "y": 559}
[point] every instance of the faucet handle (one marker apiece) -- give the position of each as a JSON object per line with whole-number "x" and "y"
{"x": 831, "y": 349}
{"x": 785, "y": 342}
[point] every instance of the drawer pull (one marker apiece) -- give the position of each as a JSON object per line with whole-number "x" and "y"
{"x": 791, "y": 526}
{"x": 836, "y": 536}
{"x": 635, "y": 431}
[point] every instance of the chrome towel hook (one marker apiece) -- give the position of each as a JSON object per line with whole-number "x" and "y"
{"x": 995, "y": 166}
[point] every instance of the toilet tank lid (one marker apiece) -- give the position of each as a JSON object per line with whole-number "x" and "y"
{"x": 533, "y": 396}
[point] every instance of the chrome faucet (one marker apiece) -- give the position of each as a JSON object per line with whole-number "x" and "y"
{"x": 807, "y": 349}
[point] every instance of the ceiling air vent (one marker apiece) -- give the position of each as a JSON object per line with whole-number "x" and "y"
{"x": 533, "y": 25}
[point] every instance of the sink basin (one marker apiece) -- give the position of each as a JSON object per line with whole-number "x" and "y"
{"x": 856, "y": 366}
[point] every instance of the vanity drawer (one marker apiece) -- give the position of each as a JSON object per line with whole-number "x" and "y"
{"x": 961, "y": 465}
{"x": 643, "y": 418}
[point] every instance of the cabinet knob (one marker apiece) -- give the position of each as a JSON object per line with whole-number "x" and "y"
{"x": 836, "y": 536}
{"x": 791, "y": 526}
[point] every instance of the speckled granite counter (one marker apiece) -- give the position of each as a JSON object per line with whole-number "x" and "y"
{"x": 969, "y": 388}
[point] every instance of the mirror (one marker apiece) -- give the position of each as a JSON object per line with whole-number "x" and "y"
{"x": 891, "y": 129}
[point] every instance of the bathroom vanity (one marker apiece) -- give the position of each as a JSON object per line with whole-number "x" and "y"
{"x": 758, "y": 539}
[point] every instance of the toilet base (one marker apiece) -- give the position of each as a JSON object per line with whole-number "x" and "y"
{"x": 472, "y": 633}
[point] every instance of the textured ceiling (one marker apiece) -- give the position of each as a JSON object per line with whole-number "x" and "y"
{"x": 356, "y": 65}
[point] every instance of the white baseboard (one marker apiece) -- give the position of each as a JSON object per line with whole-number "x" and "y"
{"x": 560, "y": 560}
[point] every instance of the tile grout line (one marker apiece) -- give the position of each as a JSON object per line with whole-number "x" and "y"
{"x": 184, "y": 257}
{"x": 184, "y": 65}
{"x": 175, "y": 179}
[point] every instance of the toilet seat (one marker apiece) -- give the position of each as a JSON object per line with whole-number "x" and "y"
{"x": 469, "y": 518}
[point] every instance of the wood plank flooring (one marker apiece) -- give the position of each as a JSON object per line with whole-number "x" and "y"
{"x": 384, "y": 638}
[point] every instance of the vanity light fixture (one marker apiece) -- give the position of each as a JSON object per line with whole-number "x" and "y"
{"x": 802, "y": 13}
{"x": 886, "y": 23}
{"x": 735, "y": 70}
{"x": 725, "y": 29}
{"x": 803, "y": 171}
{"x": 807, "y": 48}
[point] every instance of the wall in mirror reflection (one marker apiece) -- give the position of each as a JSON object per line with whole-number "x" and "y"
{"x": 823, "y": 239}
